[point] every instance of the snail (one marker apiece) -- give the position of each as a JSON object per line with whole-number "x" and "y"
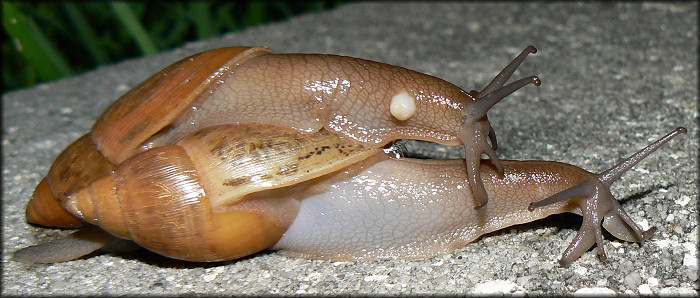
{"x": 228, "y": 191}
{"x": 368, "y": 102}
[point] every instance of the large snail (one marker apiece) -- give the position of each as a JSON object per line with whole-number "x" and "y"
{"x": 170, "y": 167}
{"x": 228, "y": 191}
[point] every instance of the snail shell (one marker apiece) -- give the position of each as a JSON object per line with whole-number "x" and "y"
{"x": 116, "y": 135}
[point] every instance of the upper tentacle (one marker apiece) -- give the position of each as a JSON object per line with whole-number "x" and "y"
{"x": 477, "y": 131}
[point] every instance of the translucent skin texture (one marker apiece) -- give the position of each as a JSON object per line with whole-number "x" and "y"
{"x": 420, "y": 208}
{"x": 351, "y": 97}
{"x": 343, "y": 94}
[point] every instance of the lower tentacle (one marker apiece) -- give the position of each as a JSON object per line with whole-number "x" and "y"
{"x": 476, "y": 144}
{"x": 492, "y": 136}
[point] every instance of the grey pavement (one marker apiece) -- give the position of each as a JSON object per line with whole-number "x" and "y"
{"x": 614, "y": 77}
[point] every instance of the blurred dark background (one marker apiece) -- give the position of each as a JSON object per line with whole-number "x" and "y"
{"x": 44, "y": 41}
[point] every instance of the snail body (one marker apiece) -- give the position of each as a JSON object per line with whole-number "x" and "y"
{"x": 236, "y": 150}
{"x": 228, "y": 191}
{"x": 368, "y": 102}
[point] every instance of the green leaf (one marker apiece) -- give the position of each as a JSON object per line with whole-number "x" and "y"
{"x": 256, "y": 14}
{"x": 31, "y": 43}
{"x": 202, "y": 19}
{"x": 87, "y": 35}
{"x": 134, "y": 27}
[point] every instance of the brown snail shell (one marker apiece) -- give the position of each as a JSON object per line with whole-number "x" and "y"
{"x": 120, "y": 130}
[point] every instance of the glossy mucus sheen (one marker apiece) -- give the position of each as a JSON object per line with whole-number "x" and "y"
{"x": 351, "y": 97}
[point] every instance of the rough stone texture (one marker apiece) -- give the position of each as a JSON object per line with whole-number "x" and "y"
{"x": 615, "y": 77}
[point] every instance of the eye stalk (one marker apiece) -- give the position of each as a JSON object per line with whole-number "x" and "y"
{"x": 476, "y": 128}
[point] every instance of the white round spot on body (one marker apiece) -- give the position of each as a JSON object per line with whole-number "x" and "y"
{"x": 403, "y": 106}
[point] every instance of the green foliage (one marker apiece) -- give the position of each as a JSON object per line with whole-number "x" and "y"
{"x": 47, "y": 40}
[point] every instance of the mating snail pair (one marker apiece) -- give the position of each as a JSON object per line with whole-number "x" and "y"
{"x": 235, "y": 150}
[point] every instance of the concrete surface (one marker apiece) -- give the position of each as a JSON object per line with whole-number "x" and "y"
{"x": 615, "y": 77}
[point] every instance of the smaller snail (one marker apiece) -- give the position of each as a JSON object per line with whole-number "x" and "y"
{"x": 228, "y": 191}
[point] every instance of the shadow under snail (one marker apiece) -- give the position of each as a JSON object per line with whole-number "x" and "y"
{"x": 206, "y": 162}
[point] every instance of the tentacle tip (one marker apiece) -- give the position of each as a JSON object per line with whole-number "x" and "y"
{"x": 648, "y": 233}
{"x": 602, "y": 255}
{"x": 531, "y": 49}
{"x": 564, "y": 263}
{"x": 531, "y": 207}
{"x": 682, "y": 129}
{"x": 536, "y": 81}
{"x": 497, "y": 163}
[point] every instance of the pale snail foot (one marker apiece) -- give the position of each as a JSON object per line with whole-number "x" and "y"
{"x": 78, "y": 244}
